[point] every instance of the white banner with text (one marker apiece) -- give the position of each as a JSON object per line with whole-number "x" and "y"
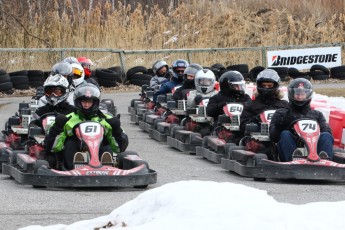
{"x": 305, "y": 58}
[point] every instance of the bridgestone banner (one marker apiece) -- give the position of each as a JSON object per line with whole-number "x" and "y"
{"x": 305, "y": 58}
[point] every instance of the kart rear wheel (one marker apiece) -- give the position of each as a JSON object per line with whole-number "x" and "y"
{"x": 141, "y": 186}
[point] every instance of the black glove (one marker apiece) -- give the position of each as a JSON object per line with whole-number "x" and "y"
{"x": 61, "y": 120}
{"x": 221, "y": 104}
{"x": 198, "y": 99}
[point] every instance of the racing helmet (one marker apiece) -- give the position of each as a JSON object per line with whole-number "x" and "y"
{"x": 204, "y": 81}
{"x": 63, "y": 68}
{"x": 300, "y": 92}
{"x": 192, "y": 69}
{"x": 71, "y": 60}
{"x": 86, "y": 63}
{"x": 232, "y": 83}
{"x": 267, "y": 75}
{"x": 78, "y": 74}
{"x": 178, "y": 68}
{"x": 87, "y": 91}
{"x": 55, "y": 89}
{"x": 158, "y": 65}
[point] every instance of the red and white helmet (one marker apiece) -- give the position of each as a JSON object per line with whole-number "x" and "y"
{"x": 86, "y": 63}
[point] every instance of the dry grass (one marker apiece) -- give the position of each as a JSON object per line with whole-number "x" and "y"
{"x": 191, "y": 24}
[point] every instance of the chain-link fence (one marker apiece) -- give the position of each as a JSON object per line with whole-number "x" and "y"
{"x": 14, "y": 59}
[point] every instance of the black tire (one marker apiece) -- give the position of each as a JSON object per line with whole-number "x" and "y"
{"x": 294, "y": 73}
{"x": 21, "y": 86}
{"x": 2, "y": 72}
{"x": 321, "y": 68}
{"x": 338, "y": 75}
{"x": 337, "y": 69}
{"x": 320, "y": 77}
{"x": 108, "y": 75}
{"x": 218, "y": 66}
{"x": 253, "y": 73}
{"x": 36, "y": 84}
{"x": 136, "y": 69}
{"x": 242, "y": 68}
{"x": 150, "y": 72}
{"x": 140, "y": 76}
{"x": 18, "y": 80}
{"x": 36, "y": 78}
{"x": 46, "y": 74}
{"x": 19, "y": 73}
{"x": 32, "y": 73}
{"x": 119, "y": 71}
{"x": 5, "y": 78}
{"x": 4, "y": 87}
{"x": 139, "y": 82}
{"x": 107, "y": 83}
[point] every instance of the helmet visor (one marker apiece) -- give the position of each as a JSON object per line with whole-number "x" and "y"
{"x": 57, "y": 91}
{"x": 237, "y": 85}
{"x": 77, "y": 73}
{"x": 205, "y": 82}
{"x": 300, "y": 94}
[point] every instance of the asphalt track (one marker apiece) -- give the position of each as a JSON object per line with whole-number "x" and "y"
{"x": 23, "y": 205}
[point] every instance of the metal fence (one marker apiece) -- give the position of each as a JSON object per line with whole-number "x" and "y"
{"x": 14, "y": 59}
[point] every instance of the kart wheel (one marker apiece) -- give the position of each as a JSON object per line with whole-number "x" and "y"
{"x": 256, "y": 160}
{"x": 141, "y": 186}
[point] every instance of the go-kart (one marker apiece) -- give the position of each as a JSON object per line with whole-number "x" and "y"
{"x": 214, "y": 146}
{"x": 196, "y": 124}
{"x": 309, "y": 166}
{"x": 130, "y": 170}
{"x": 139, "y": 106}
{"x": 173, "y": 116}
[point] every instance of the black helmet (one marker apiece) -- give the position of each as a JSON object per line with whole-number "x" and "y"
{"x": 267, "y": 75}
{"x": 300, "y": 92}
{"x": 228, "y": 82}
{"x": 178, "y": 64}
{"x": 87, "y": 91}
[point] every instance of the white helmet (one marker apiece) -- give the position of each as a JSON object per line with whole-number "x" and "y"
{"x": 56, "y": 89}
{"x": 205, "y": 81}
{"x": 78, "y": 74}
{"x": 71, "y": 60}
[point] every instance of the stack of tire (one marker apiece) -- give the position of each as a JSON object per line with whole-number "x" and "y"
{"x": 138, "y": 75}
{"x": 253, "y": 73}
{"x": 20, "y": 79}
{"x": 36, "y": 78}
{"x": 242, "y": 68}
{"x": 5, "y": 82}
{"x": 218, "y": 69}
{"x": 319, "y": 72}
{"x": 295, "y": 73}
{"x": 108, "y": 77}
{"x": 338, "y": 72}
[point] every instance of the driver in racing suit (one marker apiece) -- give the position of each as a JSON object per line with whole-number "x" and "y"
{"x": 61, "y": 137}
{"x": 300, "y": 94}
{"x": 267, "y": 97}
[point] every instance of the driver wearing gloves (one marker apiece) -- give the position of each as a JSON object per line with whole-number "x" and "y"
{"x": 299, "y": 93}
{"x": 61, "y": 138}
